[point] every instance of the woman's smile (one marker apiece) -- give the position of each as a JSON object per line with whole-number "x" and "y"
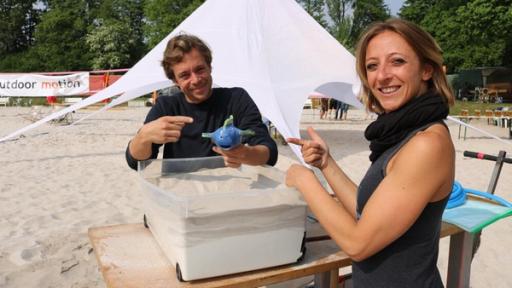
{"x": 395, "y": 74}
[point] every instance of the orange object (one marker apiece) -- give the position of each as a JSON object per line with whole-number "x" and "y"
{"x": 106, "y": 79}
{"x": 51, "y": 99}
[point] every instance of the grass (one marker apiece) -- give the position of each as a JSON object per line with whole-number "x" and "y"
{"x": 27, "y": 101}
{"x": 472, "y": 106}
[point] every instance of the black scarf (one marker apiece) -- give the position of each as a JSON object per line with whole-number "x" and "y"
{"x": 391, "y": 128}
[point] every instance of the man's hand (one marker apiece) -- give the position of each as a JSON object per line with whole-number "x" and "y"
{"x": 315, "y": 151}
{"x": 164, "y": 129}
{"x": 244, "y": 154}
{"x": 160, "y": 131}
{"x": 233, "y": 157}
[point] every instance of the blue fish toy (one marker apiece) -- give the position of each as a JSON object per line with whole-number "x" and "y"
{"x": 228, "y": 136}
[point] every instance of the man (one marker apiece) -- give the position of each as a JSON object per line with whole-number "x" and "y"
{"x": 338, "y": 115}
{"x": 178, "y": 121}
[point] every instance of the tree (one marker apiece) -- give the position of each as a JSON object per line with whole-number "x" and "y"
{"x": 115, "y": 38}
{"x": 18, "y": 20}
{"x": 60, "y": 37}
{"x": 315, "y": 8}
{"x": 414, "y": 10}
{"x": 507, "y": 52}
{"x": 471, "y": 33}
{"x": 366, "y": 12}
{"x": 162, "y": 16}
{"x": 109, "y": 45}
{"x": 341, "y": 22}
{"x": 480, "y": 34}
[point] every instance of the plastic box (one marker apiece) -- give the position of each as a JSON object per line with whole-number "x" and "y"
{"x": 210, "y": 220}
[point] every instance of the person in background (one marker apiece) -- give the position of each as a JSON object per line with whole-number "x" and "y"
{"x": 337, "y": 110}
{"x": 177, "y": 122}
{"x": 324, "y": 106}
{"x": 390, "y": 223}
{"x": 344, "y": 109}
{"x": 51, "y": 100}
{"x": 333, "y": 103}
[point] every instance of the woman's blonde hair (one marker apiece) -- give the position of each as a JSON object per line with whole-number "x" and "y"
{"x": 423, "y": 45}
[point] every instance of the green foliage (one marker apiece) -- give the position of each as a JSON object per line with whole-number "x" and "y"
{"x": 507, "y": 52}
{"x": 366, "y": 12}
{"x": 115, "y": 38}
{"x": 341, "y": 22}
{"x": 109, "y": 45}
{"x": 485, "y": 26}
{"x": 472, "y": 106}
{"x": 19, "y": 62}
{"x": 471, "y": 33}
{"x": 18, "y": 20}
{"x": 162, "y": 16}
{"x": 414, "y": 10}
{"x": 60, "y": 37}
{"x": 315, "y": 8}
{"x": 63, "y": 35}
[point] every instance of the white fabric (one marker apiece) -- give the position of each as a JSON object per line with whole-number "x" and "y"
{"x": 273, "y": 49}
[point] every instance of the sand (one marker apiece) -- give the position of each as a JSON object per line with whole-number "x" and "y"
{"x": 57, "y": 181}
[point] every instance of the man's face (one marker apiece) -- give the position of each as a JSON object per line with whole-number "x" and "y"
{"x": 194, "y": 77}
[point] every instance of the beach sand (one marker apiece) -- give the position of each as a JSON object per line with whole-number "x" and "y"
{"x": 57, "y": 181}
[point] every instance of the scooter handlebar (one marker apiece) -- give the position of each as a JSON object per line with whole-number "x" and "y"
{"x": 483, "y": 156}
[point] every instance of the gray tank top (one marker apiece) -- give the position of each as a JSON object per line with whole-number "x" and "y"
{"x": 411, "y": 260}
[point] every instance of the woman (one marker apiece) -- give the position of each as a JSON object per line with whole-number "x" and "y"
{"x": 389, "y": 224}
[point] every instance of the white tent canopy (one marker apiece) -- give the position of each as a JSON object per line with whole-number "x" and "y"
{"x": 273, "y": 49}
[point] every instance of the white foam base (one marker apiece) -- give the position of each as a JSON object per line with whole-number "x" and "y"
{"x": 231, "y": 254}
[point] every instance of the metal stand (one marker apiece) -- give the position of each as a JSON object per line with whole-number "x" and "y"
{"x": 459, "y": 263}
{"x": 500, "y": 160}
{"x": 327, "y": 280}
{"x": 496, "y": 172}
{"x": 471, "y": 242}
{"x": 465, "y": 120}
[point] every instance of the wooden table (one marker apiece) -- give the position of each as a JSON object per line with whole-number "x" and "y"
{"x": 128, "y": 256}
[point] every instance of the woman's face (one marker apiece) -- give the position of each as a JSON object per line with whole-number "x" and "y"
{"x": 395, "y": 74}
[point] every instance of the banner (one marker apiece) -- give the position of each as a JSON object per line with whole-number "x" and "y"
{"x": 26, "y": 85}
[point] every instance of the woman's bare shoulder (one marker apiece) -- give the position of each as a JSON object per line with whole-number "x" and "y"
{"x": 432, "y": 148}
{"x": 433, "y": 141}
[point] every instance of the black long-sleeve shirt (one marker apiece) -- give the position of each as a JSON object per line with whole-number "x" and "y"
{"x": 208, "y": 116}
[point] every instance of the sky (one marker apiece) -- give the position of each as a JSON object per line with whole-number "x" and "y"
{"x": 394, "y": 6}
